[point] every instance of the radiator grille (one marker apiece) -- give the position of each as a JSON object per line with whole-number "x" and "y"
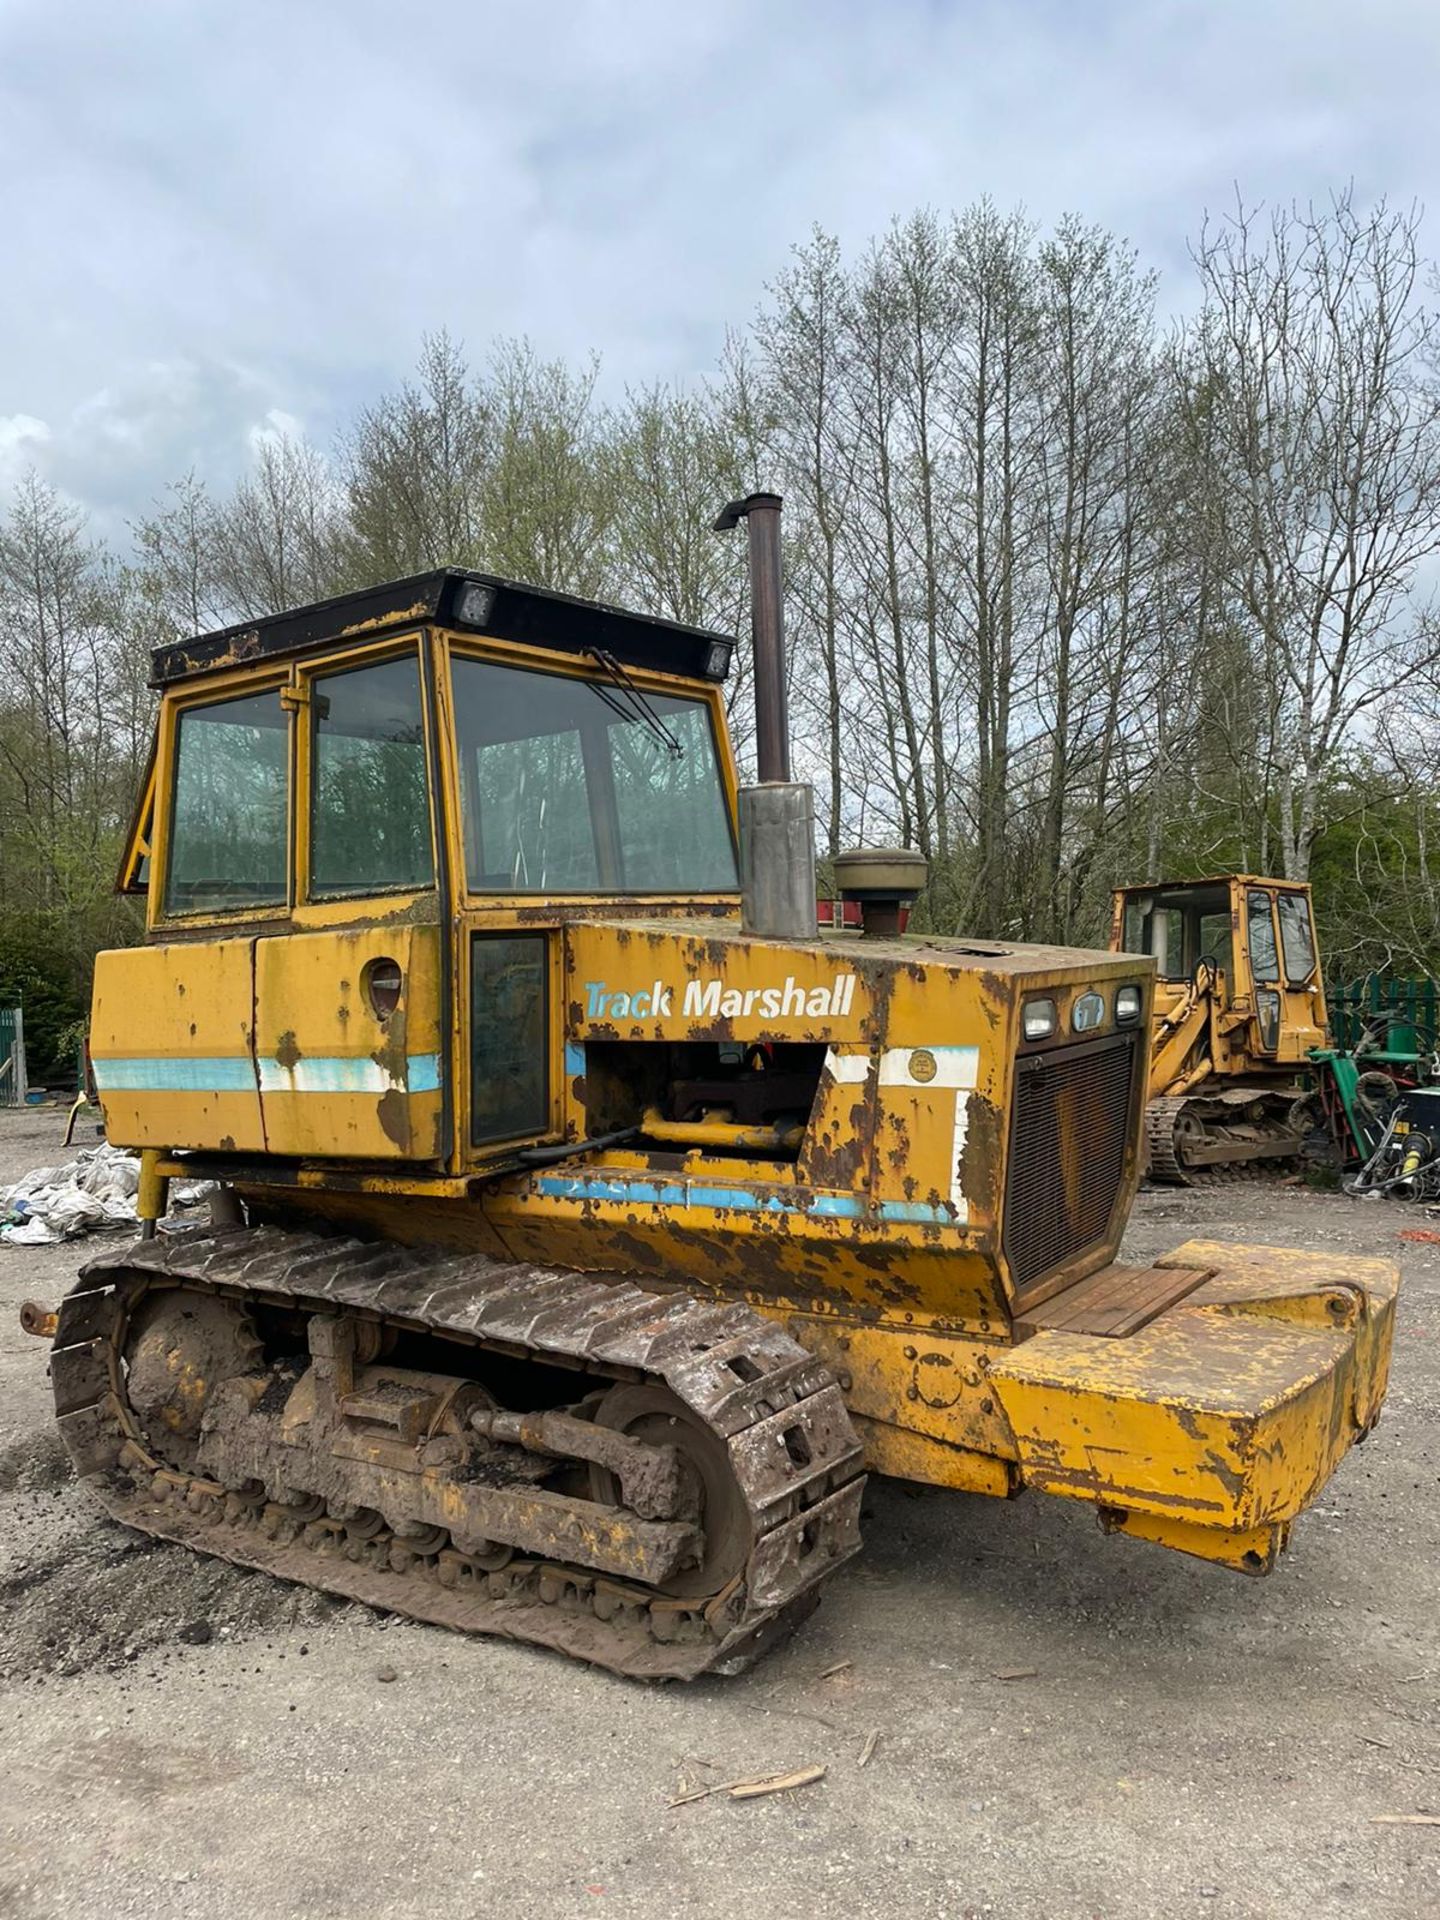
{"x": 1067, "y": 1152}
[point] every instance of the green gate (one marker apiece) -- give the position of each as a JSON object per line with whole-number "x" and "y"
{"x": 13, "y": 1086}
{"x": 1391, "y": 1016}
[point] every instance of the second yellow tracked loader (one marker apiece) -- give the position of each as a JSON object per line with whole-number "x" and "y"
{"x": 587, "y": 1226}
{"x": 1239, "y": 1005}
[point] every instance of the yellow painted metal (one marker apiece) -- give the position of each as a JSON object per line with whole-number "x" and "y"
{"x": 171, "y": 1041}
{"x": 152, "y": 1195}
{"x": 1229, "y": 1412}
{"x": 337, "y": 1079}
{"x": 879, "y": 1241}
{"x": 1246, "y": 1549}
{"x": 138, "y": 841}
{"x": 902, "y": 1454}
{"x": 925, "y": 1394}
{"x": 728, "y": 1135}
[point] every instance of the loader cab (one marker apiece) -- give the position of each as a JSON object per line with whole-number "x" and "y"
{"x": 1250, "y": 941}
{"x": 366, "y": 825}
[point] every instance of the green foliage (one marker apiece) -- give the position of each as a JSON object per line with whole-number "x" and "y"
{"x": 53, "y": 1000}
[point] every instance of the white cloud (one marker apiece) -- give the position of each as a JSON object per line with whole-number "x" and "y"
{"x": 277, "y": 427}
{"x": 22, "y": 440}
{"x": 225, "y": 218}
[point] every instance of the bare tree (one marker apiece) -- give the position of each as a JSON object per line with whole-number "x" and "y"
{"x": 1319, "y": 362}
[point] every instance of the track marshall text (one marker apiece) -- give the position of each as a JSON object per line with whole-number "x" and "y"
{"x": 713, "y": 1000}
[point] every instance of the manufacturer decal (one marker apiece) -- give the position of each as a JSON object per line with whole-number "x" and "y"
{"x": 713, "y": 1000}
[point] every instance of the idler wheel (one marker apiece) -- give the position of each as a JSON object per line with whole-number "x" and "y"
{"x": 181, "y": 1347}
{"x": 710, "y": 1491}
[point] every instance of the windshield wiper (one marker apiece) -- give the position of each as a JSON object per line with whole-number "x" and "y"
{"x": 636, "y": 706}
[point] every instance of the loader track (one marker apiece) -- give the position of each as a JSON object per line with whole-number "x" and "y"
{"x": 1161, "y": 1117}
{"x": 1163, "y": 1125}
{"x": 775, "y": 1410}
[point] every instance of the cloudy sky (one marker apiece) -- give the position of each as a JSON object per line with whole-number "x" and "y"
{"x": 221, "y": 217}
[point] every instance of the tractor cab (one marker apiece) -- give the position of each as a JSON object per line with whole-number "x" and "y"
{"x": 1245, "y": 947}
{"x": 365, "y": 822}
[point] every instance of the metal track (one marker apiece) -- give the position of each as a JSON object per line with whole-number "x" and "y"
{"x": 803, "y": 1501}
{"x": 1162, "y": 1123}
{"x": 1164, "y": 1165}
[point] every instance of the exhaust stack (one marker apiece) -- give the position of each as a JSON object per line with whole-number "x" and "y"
{"x": 777, "y": 817}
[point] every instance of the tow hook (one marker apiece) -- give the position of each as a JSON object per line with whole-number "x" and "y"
{"x": 38, "y": 1320}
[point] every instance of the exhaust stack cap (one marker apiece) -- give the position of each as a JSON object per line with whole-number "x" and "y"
{"x": 883, "y": 881}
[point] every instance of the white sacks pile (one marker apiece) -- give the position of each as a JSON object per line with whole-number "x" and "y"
{"x": 90, "y": 1193}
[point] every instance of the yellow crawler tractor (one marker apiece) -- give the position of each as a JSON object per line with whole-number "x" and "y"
{"x": 1239, "y": 1004}
{"x": 586, "y": 1225}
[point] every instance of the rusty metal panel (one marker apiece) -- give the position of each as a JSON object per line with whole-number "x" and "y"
{"x": 171, "y": 1044}
{"x": 1226, "y": 1414}
{"x": 337, "y": 1078}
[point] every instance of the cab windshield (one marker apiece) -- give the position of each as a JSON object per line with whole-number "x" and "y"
{"x": 562, "y": 792}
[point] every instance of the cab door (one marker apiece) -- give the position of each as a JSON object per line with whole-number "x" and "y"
{"x": 349, "y": 1004}
{"x": 1302, "y": 994}
{"x": 1263, "y": 948}
{"x": 347, "y": 1043}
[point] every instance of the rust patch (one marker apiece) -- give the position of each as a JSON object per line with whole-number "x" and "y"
{"x": 287, "y": 1051}
{"x": 390, "y": 1055}
{"x": 393, "y": 1113}
{"x": 982, "y": 1155}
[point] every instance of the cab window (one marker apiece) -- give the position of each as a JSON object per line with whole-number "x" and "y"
{"x": 369, "y": 791}
{"x": 569, "y": 787}
{"x": 1213, "y": 941}
{"x": 227, "y": 819}
{"x": 1159, "y": 931}
{"x": 1264, "y": 960}
{"x": 1297, "y": 938}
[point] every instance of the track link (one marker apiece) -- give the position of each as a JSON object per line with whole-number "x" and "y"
{"x": 754, "y": 1387}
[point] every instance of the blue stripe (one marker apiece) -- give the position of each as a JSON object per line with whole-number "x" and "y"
{"x": 346, "y": 1073}
{"x": 919, "y": 1212}
{"x": 323, "y": 1073}
{"x": 176, "y": 1074}
{"x": 574, "y": 1060}
{"x": 656, "y": 1193}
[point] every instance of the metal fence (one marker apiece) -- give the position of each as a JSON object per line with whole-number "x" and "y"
{"x": 13, "y": 1084}
{"x": 1402, "y": 1015}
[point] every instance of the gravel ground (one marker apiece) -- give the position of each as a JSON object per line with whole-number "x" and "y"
{"x": 183, "y": 1738}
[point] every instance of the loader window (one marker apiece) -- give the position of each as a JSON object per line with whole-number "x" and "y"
{"x": 369, "y": 796}
{"x": 1264, "y": 960}
{"x": 1297, "y": 937}
{"x": 1213, "y": 941}
{"x": 227, "y": 814}
{"x": 565, "y": 789}
{"x": 1157, "y": 930}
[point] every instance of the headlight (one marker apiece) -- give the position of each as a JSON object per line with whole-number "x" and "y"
{"x": 1127, "y": 1006}
{"x": 1087, "y": 1013}
{"x": 474, "y": 604}
{"x": 1037, "y": 1019}
{"x": 717, "y": 659}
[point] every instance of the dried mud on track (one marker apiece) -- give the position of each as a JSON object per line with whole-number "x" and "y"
{"x": 181, "y": 1737}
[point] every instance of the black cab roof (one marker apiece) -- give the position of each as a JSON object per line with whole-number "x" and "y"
{"x": 457, "y": 597}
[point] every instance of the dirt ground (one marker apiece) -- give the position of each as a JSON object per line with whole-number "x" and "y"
{"x": 178, "y": 1737}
